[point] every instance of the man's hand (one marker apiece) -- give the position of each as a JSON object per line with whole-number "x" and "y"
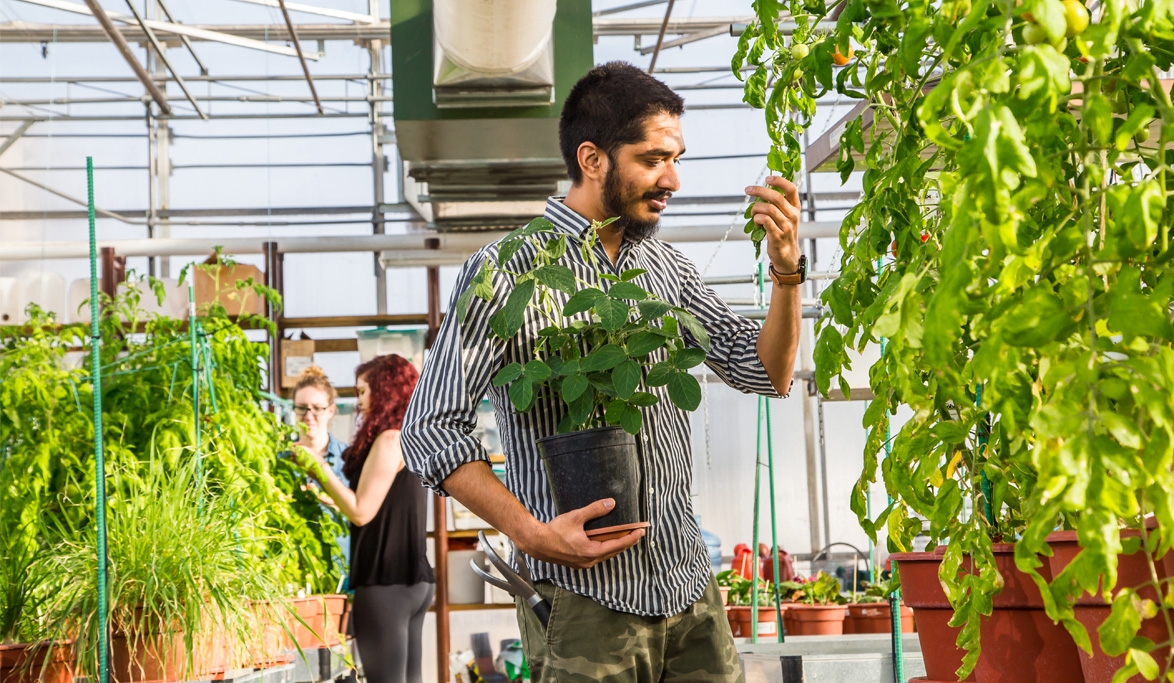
{"x": 563, "y": 540}
{"x": 778, "y": 214}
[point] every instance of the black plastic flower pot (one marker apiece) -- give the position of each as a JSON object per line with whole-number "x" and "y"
{"x": 593, "y": 464}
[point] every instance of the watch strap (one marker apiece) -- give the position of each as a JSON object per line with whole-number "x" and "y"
{"x": 791, "y": 279}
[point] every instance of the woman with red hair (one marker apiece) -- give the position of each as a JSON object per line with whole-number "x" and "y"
{"x": 387, "y": 507}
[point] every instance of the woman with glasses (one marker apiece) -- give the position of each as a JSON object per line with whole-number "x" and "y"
{"x": 314, "y": 406}
{"x": 387, "y": 507}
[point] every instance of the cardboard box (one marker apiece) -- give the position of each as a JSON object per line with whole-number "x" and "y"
{"x": 224, "y": 289}
{"x": 296, "y": 355}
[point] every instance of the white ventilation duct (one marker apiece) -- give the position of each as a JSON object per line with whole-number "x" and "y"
{"x": 494, "y": 37}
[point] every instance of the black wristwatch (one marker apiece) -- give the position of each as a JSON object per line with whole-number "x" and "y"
{"x": 790, "y": 279}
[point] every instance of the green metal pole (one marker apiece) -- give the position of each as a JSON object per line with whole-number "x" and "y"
{"x": 99, "y": 456}
{"x": 192, "y": 322}
{"x": 895, "y": 597}
{"x": 984, "y": 434}
{"x": 754, "y": 534}
{"x": 774, "y": 534}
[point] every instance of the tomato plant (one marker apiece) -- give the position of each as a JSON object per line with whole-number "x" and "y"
{"x": 1030, "y": 334}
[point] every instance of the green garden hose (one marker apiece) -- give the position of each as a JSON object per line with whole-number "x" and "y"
{"x": 99, "y": 458}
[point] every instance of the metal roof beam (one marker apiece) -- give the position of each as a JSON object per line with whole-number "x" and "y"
{"x": 124, "y": 49}
{"x": 16, "y": 135}
{"x": 71, "y": 198}
{"x": 162, "y": 52}
{"x": 321, "y": 11}
{"x": 187, "y": 42}
{"x": 293, "y": 36}
{"x": 167, "y": 27}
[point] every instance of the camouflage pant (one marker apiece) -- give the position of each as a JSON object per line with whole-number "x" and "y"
{"x": 587, "y": 642}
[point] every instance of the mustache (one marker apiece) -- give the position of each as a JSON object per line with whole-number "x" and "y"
{"x": 662, "y": 194}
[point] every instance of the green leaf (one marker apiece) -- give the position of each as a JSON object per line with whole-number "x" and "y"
{"x": 684, "y": 391}
{"x": 613, "y": 313}
{"x": 660, "y": 374}
{"x": 507, "y": 249}
{"x": 627, "y": 290}
{"x": 1124, "y": 621}
{"x": 463, "y": 303}
{"x": 509, "y": 319}
{"x": 632, "y": 274}
{"x": 537, "y": 371}
{"x": 652, "y": 309}
{"x": 688, "y": 358}
{"x": 604, "y": 358}
{"x": 557, "y": 277}
{"x": 1139, "y": 119}
{"x": 1039, "y": 318}
{"x": 1145, "y": 664}
{"x": 626, "y": 377}
{"x": 1049, "y": 14}
{"x": 573, "y": 387}
{"x": 580, "y": 408}
{"x": 507, "y": 374}
{"x": 582, "y": 300}
{"x": 631, "y": 420}
{"x": 643, "y": 399}
{"x": 644, "y": 343}
{"x": 569, "y": 367}
{"x": 694, "y": 326}
{"x": 521, "y": 394}
{"x": 613, "y": 411}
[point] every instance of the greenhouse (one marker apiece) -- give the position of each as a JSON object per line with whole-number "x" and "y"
{"x": 473, "y": 341}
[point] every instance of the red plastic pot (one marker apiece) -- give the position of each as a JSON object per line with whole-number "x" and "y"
{"x": 1091, "y": 610}
{"x": 47, "y": 662}
{"x": 876, "y": 617}
{"x": 922, "y": 592}
{"x": 815, "y": 620}
{"x": 739, "y": 618}
{"x": 1020, "y": 643}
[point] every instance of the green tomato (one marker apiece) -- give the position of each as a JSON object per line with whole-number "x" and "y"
{"x": 800, "y": 51}
{"x": 1141, "y": 136}
{"x": 1076, "y": 17}
{"x": 1034, "y": 34}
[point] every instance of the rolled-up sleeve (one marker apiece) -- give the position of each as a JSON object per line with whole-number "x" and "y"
{"x": 733, "y": 353}
{"x": 437, "y": 433}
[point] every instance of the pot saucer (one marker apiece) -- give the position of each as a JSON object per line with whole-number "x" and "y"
{"x": 608, "y": 533}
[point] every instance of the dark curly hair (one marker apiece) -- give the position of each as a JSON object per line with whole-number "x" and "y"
{"x": 608, "y": 107}
{"x": 391, "y": 379}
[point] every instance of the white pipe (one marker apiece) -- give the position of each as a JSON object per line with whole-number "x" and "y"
{"x": 429, "y": 246}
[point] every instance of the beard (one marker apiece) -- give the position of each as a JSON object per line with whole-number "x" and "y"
{"x": 620, "y": 199}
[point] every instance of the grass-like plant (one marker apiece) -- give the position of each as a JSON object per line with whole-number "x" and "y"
{"x": 182, "y": 570}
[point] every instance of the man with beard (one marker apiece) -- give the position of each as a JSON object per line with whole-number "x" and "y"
{"x": 643, "y": 607}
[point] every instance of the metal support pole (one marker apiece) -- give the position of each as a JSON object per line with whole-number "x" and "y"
{"x": 660, "y": 36}
{"x": 99, "y": 455}
{"x": 375, "y": 89}
{"x": 293, "y": 37}
{"x": 152, "y": 216}
{"x": 273, "y": 279}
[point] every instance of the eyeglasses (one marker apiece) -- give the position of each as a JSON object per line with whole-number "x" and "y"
{"x": 301, "y": 411}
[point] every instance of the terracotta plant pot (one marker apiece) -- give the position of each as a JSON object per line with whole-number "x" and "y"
{"x": 1020, "y": 643}
{"x": 815, "y": 620}
{"x": 1091, "y": 610}
{"x": 876, "y": 617}
{"x": 47, "y": 662}
{"x": 324, "y": 621}
{"x": 922, "y": 592}
{"x": 739, "y": 618}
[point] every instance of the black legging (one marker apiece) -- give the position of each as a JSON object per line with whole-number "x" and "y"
{"x": 389, "y": 625}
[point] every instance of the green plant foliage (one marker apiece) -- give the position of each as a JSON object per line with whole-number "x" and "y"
{"x": 46, "y": 442}
{"x": 183, "y": 563}
{"x": 822, "y": 589}
{"x": 1012, "y": 248}
{"x": 741, "y": 593}
{"x": 602, "y": 342}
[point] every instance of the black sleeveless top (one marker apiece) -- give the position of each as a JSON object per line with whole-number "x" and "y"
{"x": 392, "y": 548}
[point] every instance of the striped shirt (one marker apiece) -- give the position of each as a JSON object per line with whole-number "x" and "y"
{"x": 667, "y": 570}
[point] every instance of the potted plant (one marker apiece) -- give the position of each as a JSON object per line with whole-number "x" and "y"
{"x": 606, "y": 350}
{"x": 869, "y": 610}
{"x": 1012, "y": 251}
{"x": 739, "y": 607}
{"x": 817, "y": 608}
